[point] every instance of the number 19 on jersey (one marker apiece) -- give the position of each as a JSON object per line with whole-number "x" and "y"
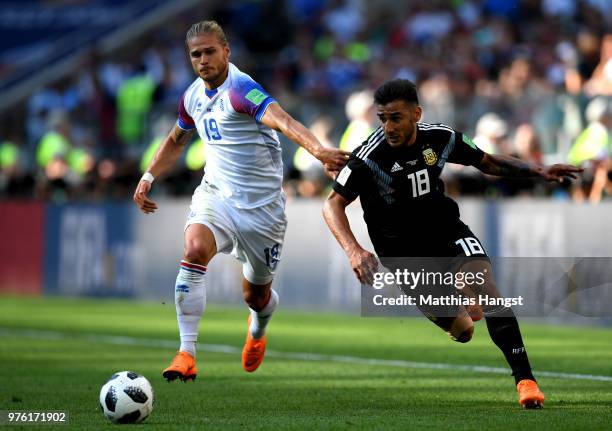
{"x": 212, "y": 129}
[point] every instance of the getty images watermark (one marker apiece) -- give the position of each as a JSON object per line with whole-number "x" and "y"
{"x": 558, "y": 287}
{"x": 405, "y": 279}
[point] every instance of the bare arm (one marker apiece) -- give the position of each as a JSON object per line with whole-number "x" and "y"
{"x": 170, "y": 150}
{"x": 276, "y": 118}
{"x": 364, "y": 263}
{"x": 507, "y": 166}
{"x": 166, "y": 156}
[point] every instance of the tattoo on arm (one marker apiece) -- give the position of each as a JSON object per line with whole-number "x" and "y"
{"x": 180, "y": 136}
{"x": 506, "y": 166}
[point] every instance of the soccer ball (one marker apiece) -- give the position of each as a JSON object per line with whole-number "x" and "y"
{"x": 126, "y": 397}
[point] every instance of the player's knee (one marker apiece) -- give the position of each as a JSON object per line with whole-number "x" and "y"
{"x": 196, "y": 252}
{"x": 464, "y": 336}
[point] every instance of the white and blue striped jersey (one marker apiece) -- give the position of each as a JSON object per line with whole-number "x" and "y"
{"x": 243, "y": 156}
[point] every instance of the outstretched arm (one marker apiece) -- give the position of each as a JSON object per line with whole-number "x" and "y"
{"x": 507, "y": 166}
{"x": 167, "y": 155}
{"x": 276, "y": 118}
{"x": 363, "y": 262}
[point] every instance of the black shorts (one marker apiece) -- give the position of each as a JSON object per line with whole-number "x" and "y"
{"x": 440, "y": 256}
{"x": 428, "y": 241}
{"x": 458, "y": 241}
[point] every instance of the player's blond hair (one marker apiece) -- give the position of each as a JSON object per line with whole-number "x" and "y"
{"x": 206, "y": 27}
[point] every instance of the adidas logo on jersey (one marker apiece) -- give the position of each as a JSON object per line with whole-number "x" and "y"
{"x": 396, "y": 167}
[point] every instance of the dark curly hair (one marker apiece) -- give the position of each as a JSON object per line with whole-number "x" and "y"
{"x": 398, "y": 89}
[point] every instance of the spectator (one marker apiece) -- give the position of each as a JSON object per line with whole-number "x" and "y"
{"x": 592, "y": 150}
{"x": 359, "y": 110}
{"x": 134, "y": 101}
{"x": 536, "y": 64}
{"x": 601, "y": 80}
{"x": 593, "y": 144}
{"x": 55, "y": 143}
{"x": 491, "y": 132}
{"x": 313, "y": 177}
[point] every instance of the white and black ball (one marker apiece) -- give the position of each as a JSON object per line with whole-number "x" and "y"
{"x": 126, "y": 397}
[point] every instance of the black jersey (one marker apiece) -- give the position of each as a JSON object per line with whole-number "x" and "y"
{"x": 400, "y": 189}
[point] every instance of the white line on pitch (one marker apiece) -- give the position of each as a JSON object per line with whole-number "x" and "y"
{"x": 299, "y": 356}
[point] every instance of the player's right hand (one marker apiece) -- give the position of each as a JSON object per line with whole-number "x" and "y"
{"x": 145, "y": 204}
{"x": 330, "y": 172}
{"x": 364, "y": 265}
{"x": 333, "y": 159}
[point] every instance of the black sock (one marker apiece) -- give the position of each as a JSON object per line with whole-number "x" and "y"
{"x": 505, "y": 333}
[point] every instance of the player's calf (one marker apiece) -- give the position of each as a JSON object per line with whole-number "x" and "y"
{"x": 262, "y": 301}
{"x": 256, "y": 301}
{"x": 190, "y": 301}
{"x": 505, "y": 333}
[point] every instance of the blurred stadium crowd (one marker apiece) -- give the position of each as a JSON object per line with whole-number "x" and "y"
{"x": 531, "y": 78}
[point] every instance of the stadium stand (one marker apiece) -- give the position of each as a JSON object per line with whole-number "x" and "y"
{"x": 533, "y": 65}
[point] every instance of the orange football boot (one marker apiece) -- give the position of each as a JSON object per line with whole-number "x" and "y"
{"x": 183, "y": 367}
{"x": 253, "y": 351}
{"x": 530, "y": 396}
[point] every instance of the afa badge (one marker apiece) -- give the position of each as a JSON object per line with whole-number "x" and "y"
{"x": 430, "y": 157}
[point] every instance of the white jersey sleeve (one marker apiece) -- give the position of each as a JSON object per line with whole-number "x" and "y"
{"x": 184, "y": 121}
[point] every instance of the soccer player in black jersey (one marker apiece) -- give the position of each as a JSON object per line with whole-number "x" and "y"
{"x": 396, "y": 175}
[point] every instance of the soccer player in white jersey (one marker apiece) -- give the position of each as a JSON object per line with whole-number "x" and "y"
{"x": 239, "y": 206}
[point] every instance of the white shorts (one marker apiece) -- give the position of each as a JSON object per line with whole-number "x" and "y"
{"x": 253, "y": 236}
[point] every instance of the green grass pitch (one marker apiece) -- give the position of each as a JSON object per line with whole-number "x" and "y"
{"x": 63, "y": 366}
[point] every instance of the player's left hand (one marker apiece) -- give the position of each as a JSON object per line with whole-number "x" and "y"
{"x": 559, "y": 171}
{"x": 333, "y": 159}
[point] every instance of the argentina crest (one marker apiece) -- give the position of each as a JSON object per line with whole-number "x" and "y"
{"x": 430, "y": 156}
